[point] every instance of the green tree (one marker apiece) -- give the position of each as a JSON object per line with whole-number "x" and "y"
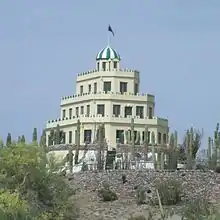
{"x": 34, "y": 136}
{"x": 22, "y": 139}
{"x": 8, "y": 140}
{"x": 30, "y": 189}
{"x": 1, "y": 143}
{"x": 19, "y": 140}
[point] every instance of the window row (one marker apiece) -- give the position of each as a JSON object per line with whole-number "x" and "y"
{"x": 107, "y": 65}
{"x": 101, "y": 111}
{"x": 107, "y": 87}
{"x": 119, "y": 137}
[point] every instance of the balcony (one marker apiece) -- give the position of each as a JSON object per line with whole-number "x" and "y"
{"x": 138, "y": 98}
{"x": 155, "y": 121}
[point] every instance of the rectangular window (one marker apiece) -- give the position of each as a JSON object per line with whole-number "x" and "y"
{"x": 88, "y": 110}
{"x": 115, "y": 65}
{"x": 159, "y": 137}
{"x": 81, "y": 90}
{"x": 64, "y": 113}
{"x": 98, "y": 66}
{"x": 77, "y": 111}
{"x": 70, "y": 137}
{"x": 107, "y": 86}
{"x": 87, "y": 136}
{"x": 95, "y": 88}
{"x": 89, "y": 88}
{"x": 140, "y": 111}
{"x": 101, "y": 110}
{"x": 104, "y": 66}
{"x": 150, "y": 113}
{"x": 81, "y": 110}
{"x": 164, "y": 138}
{"x": 128, "y": 111}
{"x": 123, "y": 87}
{"x": 116, "y": 110}
{"x": 136, "y": 88}
{"x": 70, "y": 112}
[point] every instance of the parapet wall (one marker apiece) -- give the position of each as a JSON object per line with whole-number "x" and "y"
{"x": 107, "y": 70}
{"x": 127, "y": 96}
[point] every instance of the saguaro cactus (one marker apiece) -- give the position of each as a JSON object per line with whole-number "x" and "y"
{"x": 43, "y": 139}
{"x": 209, "y": 153}
{"x": 213, "y": 152}
{"x": 101, "y": 139}
{"x": 70, "y": 160}
{"x": 57, "y": 135}
{"x": 34, "y": 136}
{"x": 146, "y": 143}
{"x": 153, "y": 143}
{"x": 189, "y": 148}
{"x": 173, "y": 151}
{"x": 51, "y": 138}
{"x": 77, "y": 141}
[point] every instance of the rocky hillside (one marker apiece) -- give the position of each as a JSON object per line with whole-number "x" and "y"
{"x": 194, "y": 183}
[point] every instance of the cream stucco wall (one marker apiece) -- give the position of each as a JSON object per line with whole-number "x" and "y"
{"x": 90, "y": 121}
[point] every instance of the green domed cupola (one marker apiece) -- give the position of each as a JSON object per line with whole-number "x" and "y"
{"x": 108, "y": 53}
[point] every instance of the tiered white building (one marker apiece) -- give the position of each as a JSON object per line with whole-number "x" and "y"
{"x": 111, "y": 95}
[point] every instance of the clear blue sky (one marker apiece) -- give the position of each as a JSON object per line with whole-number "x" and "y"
{"x": 44, "y": 44}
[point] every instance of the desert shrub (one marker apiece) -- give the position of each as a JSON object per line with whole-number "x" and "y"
{"x": 140, "y": 195}
{"x": 217, "y": 169}
{"x": 169, "y": 191}
{"x": 199, "y": 208}
{"x": 124, "y": 179}
{"x": 138, "y": 217}
{"x": 107, "y": 194}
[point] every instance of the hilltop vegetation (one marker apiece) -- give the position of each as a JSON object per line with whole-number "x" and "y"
{"x": 28, "y": 190}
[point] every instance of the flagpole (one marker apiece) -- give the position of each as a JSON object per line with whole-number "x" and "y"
{"x": 108, "y": 39}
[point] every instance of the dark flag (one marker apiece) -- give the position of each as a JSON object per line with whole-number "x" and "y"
{"x": 110, "y": 29}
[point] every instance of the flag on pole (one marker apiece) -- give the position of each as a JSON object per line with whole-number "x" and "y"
{"x": 110, "y": 29}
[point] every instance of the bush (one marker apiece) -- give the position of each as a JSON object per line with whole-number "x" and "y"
{"x": 217, "y": 169}
{"x": 139, "y": 217}
{"x": 107, "y": 194}
{"x": 199, "y": 208}
{"x": 141, "y": 196}
{"x": 23, "y": 174}
{"x": 169, "y": 191}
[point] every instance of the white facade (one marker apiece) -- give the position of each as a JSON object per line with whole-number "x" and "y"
{"x": 109, "y": 95}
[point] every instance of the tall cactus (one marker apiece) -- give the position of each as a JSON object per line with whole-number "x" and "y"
{"x": 51, "y": 138}
{"x": 173, "y": 151}
{"x": 209, "y": 153}
{"x": 57, "y": 135}
{"x": 214, "y": 149}
{"x": 189, "y": 148}
{"x": 153, "y": 143}
{"x": 132, "y": 133}
{"x": 70, "y": 160}
{"x": 101, "y": 140}
{"x": 146, "y": 143}
{"x": 77, "y": 141}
